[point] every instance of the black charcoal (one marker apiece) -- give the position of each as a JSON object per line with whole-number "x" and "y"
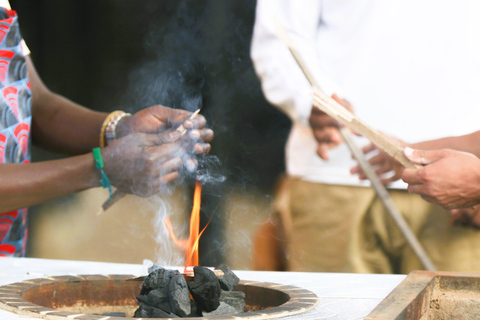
{"x": 205, "y": 289}
{"x": 193, "y": 310}
{"x": 158, "y": 279}
{"x": 179, "y": 296}
{"x": 229, "y": 280}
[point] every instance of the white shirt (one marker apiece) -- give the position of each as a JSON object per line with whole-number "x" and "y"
{"x": 410, "y": 68}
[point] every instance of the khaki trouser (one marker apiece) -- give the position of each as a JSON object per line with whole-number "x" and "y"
{"x": 347, "y": 229}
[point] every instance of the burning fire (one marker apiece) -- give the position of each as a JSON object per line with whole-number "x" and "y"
{"x": 190, "y": 245}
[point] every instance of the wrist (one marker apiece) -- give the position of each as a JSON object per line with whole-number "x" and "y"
{"x": 104, "y": 180}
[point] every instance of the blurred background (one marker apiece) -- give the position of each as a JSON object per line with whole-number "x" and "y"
{"x": 127, "y": 55}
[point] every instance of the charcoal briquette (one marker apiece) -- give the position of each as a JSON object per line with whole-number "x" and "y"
{"x": 205, "y": 289}
{"x": 179, "y": 296}
{"x": 229, "y": 280}
{"x": 158, "y": 279}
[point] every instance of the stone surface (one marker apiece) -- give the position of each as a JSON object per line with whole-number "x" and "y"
{"x": 223, "y": 309}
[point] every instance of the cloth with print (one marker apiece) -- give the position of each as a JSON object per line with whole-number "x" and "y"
{"x": 15, "y": 124}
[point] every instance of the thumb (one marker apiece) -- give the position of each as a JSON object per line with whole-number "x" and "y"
{"x": 422, "y": 157}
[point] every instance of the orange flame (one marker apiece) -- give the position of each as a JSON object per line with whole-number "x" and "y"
{"x": 190, "y": 245}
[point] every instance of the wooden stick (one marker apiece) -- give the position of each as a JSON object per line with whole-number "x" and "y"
{"x": 118, "y": 195}
{"x": 190, "y": 274}
{"x": 349, "y": 120}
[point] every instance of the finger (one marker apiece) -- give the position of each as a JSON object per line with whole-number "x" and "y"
{"x": 328, "y": 135}
{"x": 161, "y": 138}
{"x": 197, "y": 122}
{"x": 337, "y": 98}
{"x": 377, "y": 160}
{"x": 169, "y": 177}
{"x": 322, "y": 151}
{"x": 322, "y": 121}
{"x": 317, "y": 112}
{"x": 157, "y": 155}
{"x": 345, "y": 103}
{"x": 201, "y": 148}
{"x": 190, "y": 164}
{"x": 173, "y": 164}
{"x": 355, "y": 170}
{"x": 169, "y": 173}
{"x": 411, "y": 176}
{"x": 169, "y": 115}
{"x": 383, "y": 168}
{"x": 423, "y": 157}
{"x": 204, "y": 135}
{"x": 416, "y": 188}
{"x": 394, "y": 177}
{"x": 369, "y": 148}
{"x": 358, "y": 171}
{"x": 433, "y": 200}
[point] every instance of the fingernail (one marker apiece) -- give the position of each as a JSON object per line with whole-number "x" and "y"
{"x": 194, "y": 134}
{"x": 188, "y": 124}
{"x": 408, "y": 151}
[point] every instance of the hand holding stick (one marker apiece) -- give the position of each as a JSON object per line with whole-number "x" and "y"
{"x": 117, "y": 195}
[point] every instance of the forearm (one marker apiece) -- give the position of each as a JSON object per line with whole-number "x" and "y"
{"x": 59, "y": 124}
{"x": 24, "y": 185}
{"x": 467, "y": 143}
{"x": 64, "y": 126}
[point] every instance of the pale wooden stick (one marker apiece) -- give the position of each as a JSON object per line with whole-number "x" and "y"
{"x": 118, "y": 195}
{"x": 190, "y": 274}
{"x": 348, "y": 119}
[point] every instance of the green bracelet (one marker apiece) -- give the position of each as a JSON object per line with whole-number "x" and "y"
{"x": 97, "y": 155}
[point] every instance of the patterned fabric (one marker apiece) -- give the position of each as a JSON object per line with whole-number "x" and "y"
{"x": 15, "y": 124}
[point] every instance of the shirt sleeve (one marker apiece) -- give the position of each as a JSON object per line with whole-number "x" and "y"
{"x": 283, "y": 83}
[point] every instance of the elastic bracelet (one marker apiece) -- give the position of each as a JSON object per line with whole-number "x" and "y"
{"x": 97, "y": 155}
{"x": 105, "y": 124}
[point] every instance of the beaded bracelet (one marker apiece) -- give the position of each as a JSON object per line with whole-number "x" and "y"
{"x": 106, "y": 123}
{"x": 97, "y": 155}
{"x": 111, "y": 128}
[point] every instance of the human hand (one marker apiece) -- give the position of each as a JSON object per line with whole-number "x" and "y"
{"x": 449, "y": 178}
{"x": 466, "y": 216}
{"x": 387, "y": 168}
{"x": 325, "y": 128}
{"x": 144, "y": 164}
{"x": 157, "y": 119}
